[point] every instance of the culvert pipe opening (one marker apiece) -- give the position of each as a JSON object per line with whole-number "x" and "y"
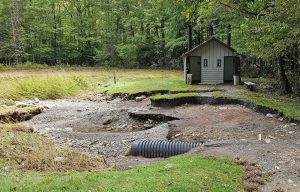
{"x": 153, "y": 149}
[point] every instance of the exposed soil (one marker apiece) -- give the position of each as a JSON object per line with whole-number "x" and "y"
{"x": 228, "y": 130}
{"x": 15, "y": 117}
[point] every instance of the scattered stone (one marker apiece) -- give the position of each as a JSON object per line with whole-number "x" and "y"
{"x": 47, "y": 106}
{"x": 177, "y": 135}
{"x": 169, "y": 167}
{"x": 268, "y": 140}
{"x": 291, "y": 132}
{"x": 141, "y": 98}
{"x": 259, "y": 137}
{"x": 276, "y": 167}
{"x": 23, "y": 105}
{"x": 6, "y": 169}
{"x": 36, "y": 100}
{"x": 280, "y": 118}
{"x": 270, "y": 115}
{"x": 148, "y": 126}
{"x": 286, "y": 126}
{"x": 293, "y": 124}
{"x": 59, "y": 159}
{"x": 290, "y": 181}
{"x": 223, "y": 108}
{"x": 271, "y": 137}
{"x": 109, "y": 120}
{"x": 150, "y": 121}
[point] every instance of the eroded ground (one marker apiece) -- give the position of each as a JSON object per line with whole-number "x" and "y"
{"x": 106, "y": 129}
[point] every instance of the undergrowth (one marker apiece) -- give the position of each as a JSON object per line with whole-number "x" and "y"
{"x": 21, "y": 149}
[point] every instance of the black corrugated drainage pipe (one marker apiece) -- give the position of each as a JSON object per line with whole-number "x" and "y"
{"x": 152, "y": 149}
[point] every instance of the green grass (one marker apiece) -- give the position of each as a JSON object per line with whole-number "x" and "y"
{"x": 21, "y": 149}
{"x": 289, "y": 108}
{"x": 74, "y": 82}
{"x": 189, "y": 174}
{"x": 174, "y": 96}
{"x": 11, "y": 110}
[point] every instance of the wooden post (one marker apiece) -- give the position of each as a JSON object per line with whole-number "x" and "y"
{"x": 115, "y": 81}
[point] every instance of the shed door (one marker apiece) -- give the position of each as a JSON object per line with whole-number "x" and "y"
{"x": 229, "y": 67}
{"x": 195, "y": 63}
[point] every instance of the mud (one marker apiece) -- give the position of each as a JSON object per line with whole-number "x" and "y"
{"x": 202, "y": 100}
{"x": 225, "y": 131}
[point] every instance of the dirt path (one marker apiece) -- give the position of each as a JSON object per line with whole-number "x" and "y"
{"x": 225, "y": 131}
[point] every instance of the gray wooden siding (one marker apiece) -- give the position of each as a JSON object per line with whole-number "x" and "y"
{"x": 213, "y": 51}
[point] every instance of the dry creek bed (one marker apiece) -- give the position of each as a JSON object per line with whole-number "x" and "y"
{"x": 107, "y": 129}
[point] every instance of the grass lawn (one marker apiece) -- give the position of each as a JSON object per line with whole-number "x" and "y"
{"x": 72, "y": 82}
{"x": 190, "y": 173}
{"x": 174, "y": 96}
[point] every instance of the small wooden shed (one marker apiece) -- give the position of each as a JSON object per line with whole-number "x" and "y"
{"x": 212, "y": 62}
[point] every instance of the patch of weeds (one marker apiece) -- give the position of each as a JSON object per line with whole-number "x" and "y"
{"x": 24, "y": 150}
{"x": 7, "y": 102}
{"x": 174, "y": 96}
{"x": 46, "y": 88}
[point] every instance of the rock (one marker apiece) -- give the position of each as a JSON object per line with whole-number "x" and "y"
{"x": 259, "y": 137}
{"x": 276, "y": 167}
{"x": 36, "y": 100}
{"x": 223, "y": 108}
{"x": 6, "y": 169}
{"x": 150, "y": 121}
{"x": 23, "y": 105}
{"x": 290, "y": 181}
{"x": 177, "y": 135}
{"x": 293, "y": 124}
{"x": 140, "y": 98}
{"x": 270, "y": 115}
{"x": 280, "y": 118}
{"x": 268, "y": 140}
{"x": 291, "y": 132}
{"x": 286, "y": 126}
{"x": 148, "y": 126}
{"x": 271, "y": 137}
{"x": 47, "y": 106}
{"x": 59, "y": 159}
{"x": 169, "y": 167}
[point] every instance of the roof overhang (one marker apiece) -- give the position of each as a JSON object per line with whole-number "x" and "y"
{"x": 205, "y": 43}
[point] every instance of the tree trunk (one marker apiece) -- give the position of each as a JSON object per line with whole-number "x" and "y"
{"x": 15, "y": 25}
{"x": 284, "y": 82}
{"x": 163, "y": 41}
{"x": 190, "y": 36}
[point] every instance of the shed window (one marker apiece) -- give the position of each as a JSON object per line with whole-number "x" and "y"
{"x": 219, "y": 63}
{"x": 205, "y": 63}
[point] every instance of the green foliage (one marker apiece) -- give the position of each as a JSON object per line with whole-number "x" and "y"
{"x": 46, "y": 88}
{"x": 174, "y": 96}
{"x": 190, "y": 173}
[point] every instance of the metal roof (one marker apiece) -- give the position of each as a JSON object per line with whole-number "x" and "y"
{"x": 206, "y": 42}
